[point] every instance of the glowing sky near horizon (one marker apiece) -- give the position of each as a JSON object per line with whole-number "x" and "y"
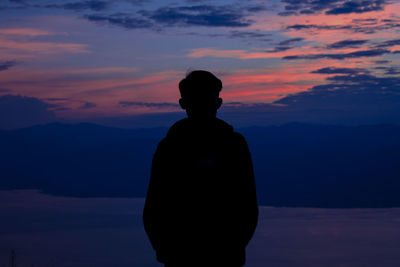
{"x": 126, "y": 57}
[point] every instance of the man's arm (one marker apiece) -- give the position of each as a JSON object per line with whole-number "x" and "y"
{"x": 248, "y": 205}
{"x": 154, "y": 208}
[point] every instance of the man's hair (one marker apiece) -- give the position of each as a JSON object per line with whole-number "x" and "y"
{"x": 200, "y": 80}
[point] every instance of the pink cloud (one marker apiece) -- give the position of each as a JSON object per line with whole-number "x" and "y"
{"x": 105, "y": 87}
{"x": 32, "y": 49}
{"x": 31, "y": 32}
{"x": 21, "y": 43}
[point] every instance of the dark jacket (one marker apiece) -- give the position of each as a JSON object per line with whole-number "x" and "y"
{"x": 201, "y": 202}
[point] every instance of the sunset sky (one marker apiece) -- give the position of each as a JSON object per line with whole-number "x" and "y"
{"x": 96, "y": 60}
{"x": 72, "y": 194}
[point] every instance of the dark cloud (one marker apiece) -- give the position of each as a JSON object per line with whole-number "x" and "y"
{"x": 4, "y": 90}
{"x": 20, "y": 111}
{"x": 197, "y": 15}
{"x": 340, "y": 56}
{"x": 365, "y": 84}
{"x": 347, "y": 44}
{"x": 56, "y": 99}
{"x": 202, "y": 15}
{"x": 353, "y": 96}
{"x": 308, "y": 6}
{"x": 93, "y": 5}
{"x": 307, "y": 11}
{"x": 13, "y": 5}
{"x": 391, "y": 20}
{"x": 358, "y": 26}
{"x": 5, "y": 65}
{"x": 370, "y": 29}
{"x": 382, "y": 61}
{"x": 83, "y": 5}
{"x": 287, "y": 13}
{"x": 250, "y": 35}
{"x": 332, "y": 70}
{"x": 138, "y": 2}
{"x": 357, "y": 7}
{"x": 283, "y": 45}
{"x": 365, "y": 21}
{"x": 121, "y": 20}
{"x": 389, "y": 43}
{"x": 278, "y": 49}
{"x": 389, "y": 70}
{"x": 148, "y": 104}
{"x": 318, "y": 27}
{"x": 291, "y": 41}
{"x": 88, "y": 105}
{"x": 392, "y": 71}
{"x": 60, "y": 108}
{"x": 331, "y": 7}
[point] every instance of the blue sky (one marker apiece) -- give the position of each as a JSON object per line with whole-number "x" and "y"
{"x": 98, "y": 60}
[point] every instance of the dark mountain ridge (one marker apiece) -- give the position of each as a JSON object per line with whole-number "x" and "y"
{"x": 295, "y": 164}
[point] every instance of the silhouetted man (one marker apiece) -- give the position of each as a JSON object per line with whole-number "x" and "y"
{"x": 201, "y": 206}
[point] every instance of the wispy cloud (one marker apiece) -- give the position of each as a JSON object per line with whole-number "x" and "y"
{"x": 340, "y": 56}
{"x": 334, "y": 70}
{"x": 382, "y": 61}
{"x": 347, "y": 43}
{"x": 5, "y": 65}
{"x": 148, "y": 104}
{"x": 31, "y": 32}
{"x": 201, "y": 15}
{"x": 88, "y": 105}
{"x": 127, "y": 21}
{"x": 354, "y": 6}
{"x": 331, "y": 7}
{"x": 26, "y": 49}
{"x": 21, "y": 43}
{"x": 291, "y": 41}
{"x": 206, "y": 15}
{"x": 355, "y": 26}
{"x": 389, "y": 43}
{"x": 83, "y": 5}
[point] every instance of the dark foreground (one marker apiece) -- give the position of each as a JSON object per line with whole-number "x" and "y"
{"x": 64, "y": 231}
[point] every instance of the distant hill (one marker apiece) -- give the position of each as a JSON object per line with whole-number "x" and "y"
{"x": 295, "y": 164}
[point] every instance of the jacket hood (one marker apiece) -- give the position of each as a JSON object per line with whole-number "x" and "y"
{"x": 188, "y": 128}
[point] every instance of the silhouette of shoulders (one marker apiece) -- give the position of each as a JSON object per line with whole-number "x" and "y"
{"x": 201, "y": 202}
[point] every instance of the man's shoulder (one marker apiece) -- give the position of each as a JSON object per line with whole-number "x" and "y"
{"x": 177, "y": 128}
{"x": 189, "y": 127}
{"x": 238, "y": 136}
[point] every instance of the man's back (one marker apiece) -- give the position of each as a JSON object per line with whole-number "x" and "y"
{"x": 201, "y": 206}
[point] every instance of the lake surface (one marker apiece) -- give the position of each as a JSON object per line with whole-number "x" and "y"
{"x": 99, "y": 232}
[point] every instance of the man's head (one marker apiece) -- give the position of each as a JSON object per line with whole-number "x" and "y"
{"x": 200, "y": 94}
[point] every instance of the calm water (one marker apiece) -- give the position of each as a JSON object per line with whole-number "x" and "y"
{"x": 98, "y": 232}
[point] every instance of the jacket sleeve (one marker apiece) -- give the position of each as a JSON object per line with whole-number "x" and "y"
{"x": 248, "y": 205}
{"x": 154, "y": 209}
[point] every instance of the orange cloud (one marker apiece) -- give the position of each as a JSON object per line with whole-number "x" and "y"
{"x": 44, "y": 47}
{"x": 20, "y": 43}
{"x": 31, "y": 32}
